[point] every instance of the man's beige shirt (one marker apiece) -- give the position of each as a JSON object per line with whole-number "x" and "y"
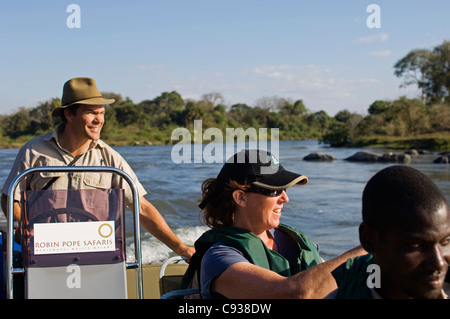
{"x": 45, "y": 150}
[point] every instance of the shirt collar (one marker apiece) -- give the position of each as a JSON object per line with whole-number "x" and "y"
{"x": 54, "y": 136}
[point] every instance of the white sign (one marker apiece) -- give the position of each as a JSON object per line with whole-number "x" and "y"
{"x": 77, "y": 237}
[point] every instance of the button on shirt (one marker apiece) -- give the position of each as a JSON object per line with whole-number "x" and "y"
{"x": 45, "y": 150}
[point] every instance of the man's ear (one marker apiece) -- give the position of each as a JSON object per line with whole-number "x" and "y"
{"x": 240, "y": 198}
{"x": 368, "y": 237}
{"x": 68, "y": 114}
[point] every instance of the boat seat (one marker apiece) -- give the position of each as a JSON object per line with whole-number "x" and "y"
{"x": 169, "y": 285}
{"x": 74, "y": 244}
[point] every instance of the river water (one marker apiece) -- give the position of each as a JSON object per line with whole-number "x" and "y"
{"x": 327, "y": 208}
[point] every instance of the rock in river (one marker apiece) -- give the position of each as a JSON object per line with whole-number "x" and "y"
{"x": 366, "y": 156}
{"x": 318, "y": 156}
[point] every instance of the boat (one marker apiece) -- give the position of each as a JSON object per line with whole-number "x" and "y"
{"x": 71, "y": 244}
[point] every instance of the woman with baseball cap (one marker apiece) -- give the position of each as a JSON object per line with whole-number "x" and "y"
{"x": 248, "y": 253}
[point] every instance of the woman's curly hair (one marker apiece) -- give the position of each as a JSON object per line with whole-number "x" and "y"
{"x": 220, "y": 210}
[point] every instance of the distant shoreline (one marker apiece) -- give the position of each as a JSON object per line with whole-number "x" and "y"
{"x": 436, "y": 142}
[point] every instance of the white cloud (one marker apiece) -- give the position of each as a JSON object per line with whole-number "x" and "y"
{"x": 381, "y": 54}
{"x": 276, "y": 75}
{"x": 301, "y": 73}
{"x": 319, "y": 87}
{"x": 150, "y": 66}
{"x": 374, "y": 38}
{"x": 365, "y": 81}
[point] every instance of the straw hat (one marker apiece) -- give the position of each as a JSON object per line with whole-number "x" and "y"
{"x": 80, "y": 91}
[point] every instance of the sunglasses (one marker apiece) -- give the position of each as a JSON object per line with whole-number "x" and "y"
{"x": 266, "y": 191}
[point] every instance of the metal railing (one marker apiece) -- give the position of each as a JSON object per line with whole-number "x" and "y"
{"x": 137, "y": 264}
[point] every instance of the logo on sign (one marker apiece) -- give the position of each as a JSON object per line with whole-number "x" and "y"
{"x": 80, "y": 237}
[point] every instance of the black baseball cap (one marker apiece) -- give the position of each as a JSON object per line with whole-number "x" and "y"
{"x": 258, "y": 167}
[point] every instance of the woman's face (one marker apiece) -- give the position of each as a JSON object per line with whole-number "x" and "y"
{"x": 258, "y": 212}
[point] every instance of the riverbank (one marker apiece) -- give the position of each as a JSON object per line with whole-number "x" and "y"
{"x": 435, "y": 142}
{"x": 6, "y": 142}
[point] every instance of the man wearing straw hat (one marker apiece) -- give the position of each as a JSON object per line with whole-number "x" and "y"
{"x": 76, "y": 141}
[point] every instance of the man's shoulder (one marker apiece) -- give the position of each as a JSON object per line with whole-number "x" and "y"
{"x": 46, "y": 137}
{"x": 106, "y": 148}
{"x": 37, "y": 143}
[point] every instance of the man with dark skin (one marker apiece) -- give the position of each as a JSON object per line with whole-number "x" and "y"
{"x": 406, "y": 230}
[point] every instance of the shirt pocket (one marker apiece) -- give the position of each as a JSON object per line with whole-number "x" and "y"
{"x": 97, "y": 180}
{"x": 41, "y": 179}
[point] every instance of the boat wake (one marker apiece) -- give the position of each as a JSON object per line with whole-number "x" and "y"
{"x": 155, "y": 252}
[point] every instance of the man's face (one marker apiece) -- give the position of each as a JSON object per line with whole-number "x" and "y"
{"x": 88, "y": 121}
{"x": 414, "y": 257}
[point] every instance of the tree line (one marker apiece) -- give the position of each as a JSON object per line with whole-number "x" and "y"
{"x": 152, "y": 121}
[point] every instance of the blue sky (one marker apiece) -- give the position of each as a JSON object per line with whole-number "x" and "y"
{"x": 319, "y": 51}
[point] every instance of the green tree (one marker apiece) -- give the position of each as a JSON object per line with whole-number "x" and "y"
{"x": 337, "y": 135}
{"x": 415, "y": 68}
{"x": 127, "y": 113}
{"x": 166, "y": 109}
{"x": 429, "y": 70}
{"x": 296, "y": 109}
{"x": 41, "y": 119}
{"x": 379, "y": 107}
{"x": 18, "y": 124}
{"x": 220, "y": 115}
{"x": 438, "y": 87}
{"x": 193, "y": 111}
